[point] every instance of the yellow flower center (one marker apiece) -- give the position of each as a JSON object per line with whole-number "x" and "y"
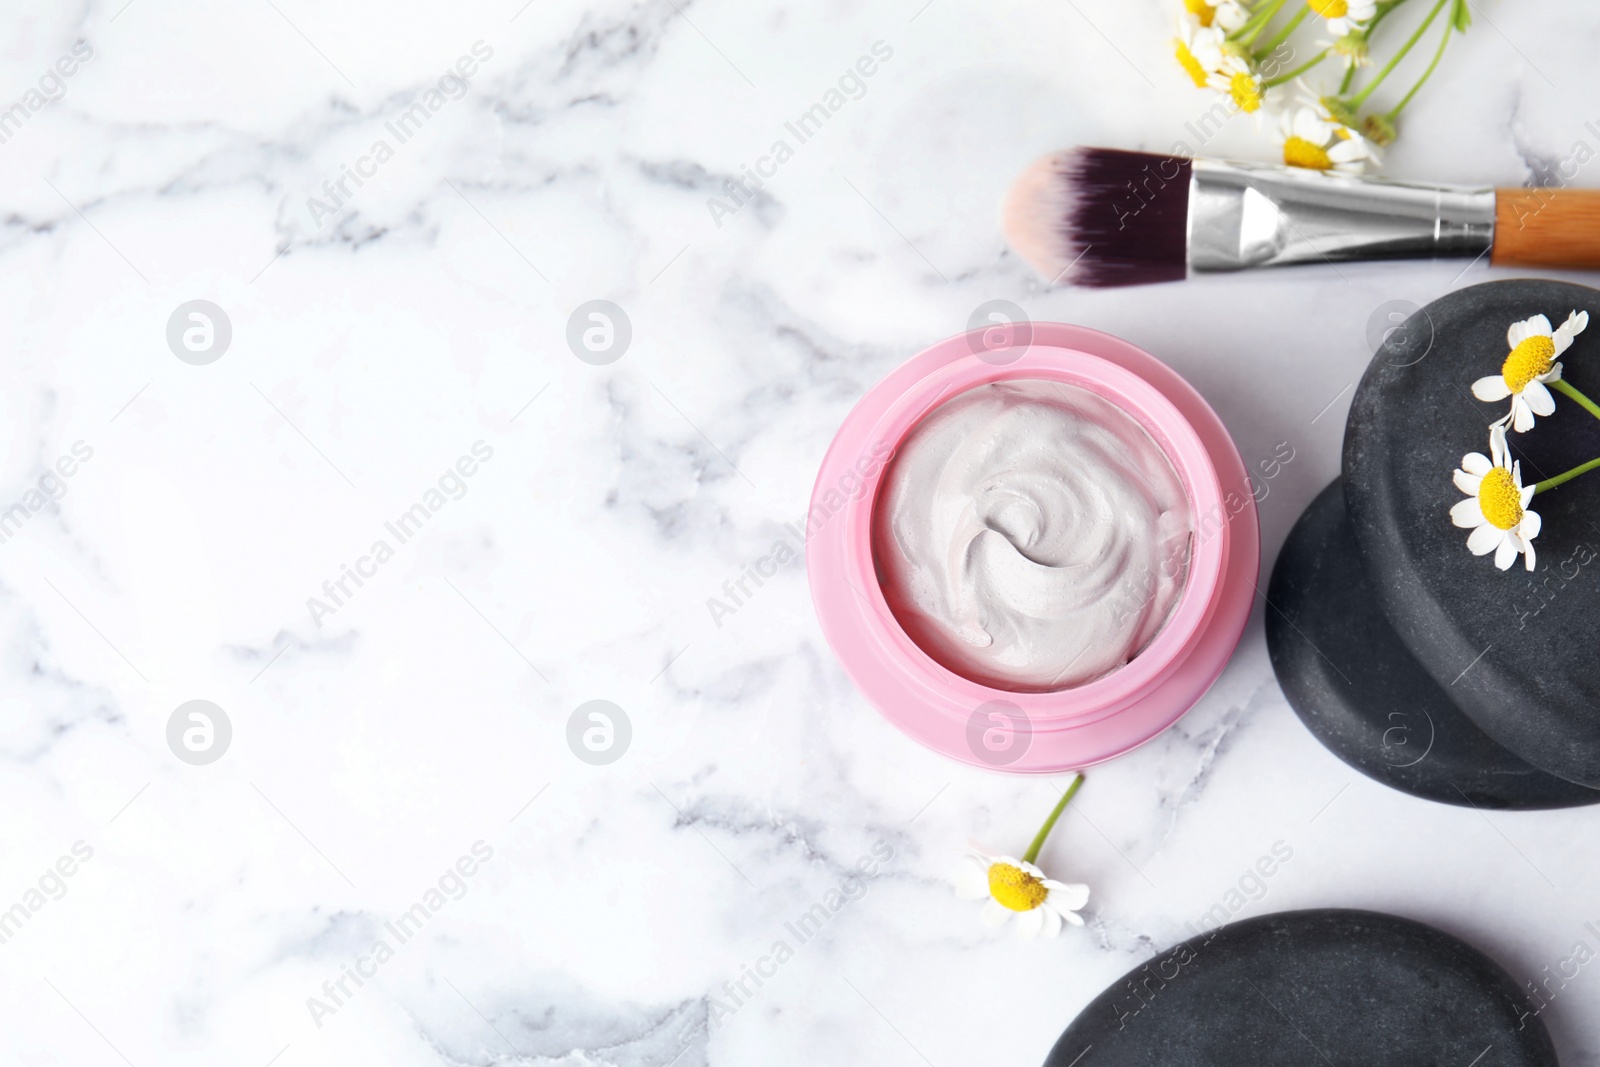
{"x": 1196, "y": 72}
{"x": 1246, "y": 92}
{"x": 1329, "y": 9}
{"x": 1299, "y": 152}
{"x": 1533, "y": 357}
{"x": 1201, "y": 10}
{"x": 1501, "y": 504}
{"x": 1015, "y": 888}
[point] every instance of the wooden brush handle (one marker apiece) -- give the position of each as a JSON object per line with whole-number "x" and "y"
{"x": 1547, "y": 228}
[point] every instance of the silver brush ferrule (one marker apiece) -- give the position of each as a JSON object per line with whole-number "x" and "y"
{"x": 1244, "y": 215}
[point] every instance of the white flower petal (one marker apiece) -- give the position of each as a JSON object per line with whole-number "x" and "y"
{"x": 1230, "y": 16}
{"x": 1491, "y": 388}
{"x": 1468, "y": 513}
{"x": 1052, "y": 922}
{"x": 1527, "y": 547}
{"x": 1505, "y": 553}
{"x": 1349, "y": 151}
{"x": 1539, "y": 325}
{"x": 1485, "y": 539}
{"x": 1029, "y": 923}
{"x": 995, "y": 913}
{"x": 1467, "y": 483}
{"x": 1530, "y": 526}
{"x": 1551, "y": 375}
{"x": 1521, "y": 415}
{"x": 972, "y": 882}
{"x": 1069, "y": 897}
{"x": 1308, "y": 127}
{"x": 1207, "y": 58}
{"x": 1516, "y": 333}
{"x": 1568, "y": 330}
{"x": 1476, "y": 463}
{"x": 1527, "y": 494}
{"x": 1072, "y": 917}
{"x": 1538, "y": 399}
{"x": 1497, "y": 442}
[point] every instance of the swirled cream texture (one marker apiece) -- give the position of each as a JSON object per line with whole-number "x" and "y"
{"x": 1032, "y": 536}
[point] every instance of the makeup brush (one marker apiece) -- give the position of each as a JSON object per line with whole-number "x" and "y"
{"x": 1101, "y": 217}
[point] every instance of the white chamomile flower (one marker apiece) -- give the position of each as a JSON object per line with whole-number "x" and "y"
{"x": 1016, "y": 888}
{"x": 1496, "y": 508}
{"x": 1342, "y": 17}
{"x": 1227, "y": 14}
{"x": 1530, "y": 367}
{"x": 1312, "y": 141}
{"x": 1239, "y": 85}
{"x": 1199, "y": 50}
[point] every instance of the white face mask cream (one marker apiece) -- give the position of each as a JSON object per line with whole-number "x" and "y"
{"x": 1031, "y": 535}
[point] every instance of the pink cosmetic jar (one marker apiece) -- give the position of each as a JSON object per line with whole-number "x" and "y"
{"x": 1034, "y": 732}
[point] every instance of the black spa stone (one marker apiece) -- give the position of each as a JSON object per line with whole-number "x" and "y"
{"x": 1360, "y": 692}
{"x": 1519, "y": 653}
{"x": 1327, "y": 986}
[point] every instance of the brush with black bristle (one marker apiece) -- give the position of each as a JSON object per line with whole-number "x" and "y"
{"x": 1101, "y": 217}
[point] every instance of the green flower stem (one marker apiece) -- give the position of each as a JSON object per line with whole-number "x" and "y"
{"x": 1361, "y": 97}
{"x": 1379, "y": 16}
{"x": 1050, "y": 823}
{"x": 1560, "y": 385}
{"x": 1296, "y": 72}
{"x": 1565, "y": 476}
{"x": 1444, "y": 39}
{"x": 1283, "y": 33}
{"x": 1256, "y": 22}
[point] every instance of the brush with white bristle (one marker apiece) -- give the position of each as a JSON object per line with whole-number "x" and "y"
{"x": 1102, "y": 217}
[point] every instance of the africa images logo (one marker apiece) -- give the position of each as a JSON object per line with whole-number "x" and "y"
{"x": 403, "y": 528}
{"x": 851, "y": 85}
{"x": 451, "y": 885}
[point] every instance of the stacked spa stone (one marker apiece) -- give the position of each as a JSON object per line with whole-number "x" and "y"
{"x": 1326, "y": 986}
{"x": 1416, "y": 662}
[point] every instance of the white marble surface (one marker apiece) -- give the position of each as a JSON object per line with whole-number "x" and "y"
{"x": 429, "y": 711}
